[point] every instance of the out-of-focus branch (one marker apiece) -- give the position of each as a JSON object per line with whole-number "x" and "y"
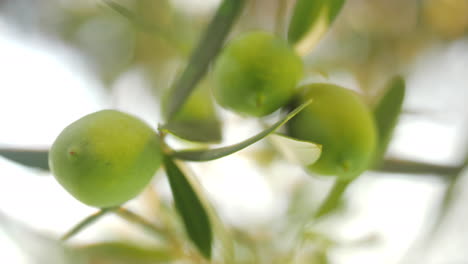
{"x": 416, "y": 167}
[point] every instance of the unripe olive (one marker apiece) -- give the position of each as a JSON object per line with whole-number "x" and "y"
{"x": 105, "y": 158}
{"x": 256, "y": 74}
{"x": 339, "y": 121}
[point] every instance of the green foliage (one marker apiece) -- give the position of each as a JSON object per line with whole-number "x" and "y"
{"x": 106, "y": 158}
{"x": 32, "y": 158}
{"x": 386, "y": 114}
{"x": 310, "y": 20}
{"x": 124, "y": 253}
{"x": 190, "y": 207}
{"x": 197, "y": 120}
{"x": 216, "y": 153}
{"x": 206, "y": 50}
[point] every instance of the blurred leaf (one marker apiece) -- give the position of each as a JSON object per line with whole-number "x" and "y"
{"x": 124, "y": 253}
{"x": 297, "y": 151}
{"x": 190, "y": 208}
{"x": 310, "y": 20}
{"x": 222, "y": 234}
{"x": 216, "y": 153}
{"x": 32, "y": 158}
{"x": 206, "y": 50}
{"x": 38, "y": 248}
{"x": 386, "y": 114}
{"x": 147, "y": 26}
{"x": 204, "y": 131}
{"x": 108, "y": 42}
{"x": 452, "y": 190}
{"x": 197, "y": 120}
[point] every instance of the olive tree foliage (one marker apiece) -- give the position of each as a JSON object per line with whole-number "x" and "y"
{"x": 228, "y": 60}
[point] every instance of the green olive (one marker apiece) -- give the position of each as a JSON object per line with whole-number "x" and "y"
{"x": 105, "y": 158}
{"x": 339, "y": 121}
{"x": 256, "y": 74}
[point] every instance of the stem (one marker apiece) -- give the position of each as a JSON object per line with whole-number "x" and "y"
{"x": 84, "y": 223}
{"x": 145, "y": 224}
{"x": 138, "y": 220}
{"x": 332, "y": 199}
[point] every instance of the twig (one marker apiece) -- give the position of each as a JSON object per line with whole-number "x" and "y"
{"x": 84, "y": 223}
{"x": 415, "y": 167}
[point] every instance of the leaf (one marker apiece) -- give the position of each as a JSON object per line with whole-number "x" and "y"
{"x": 189, "y": 206}
{"x": 37, "y": 247}
{"x": 216, "y": 153}
{"x": 206, "y": 50}
{"x": 204, "y": 131}
{"x": 386, "y": 114}
{"x": 197, "y": 121}
{"x": 297, "y": 151}
{"x": 123, "y": 253}
{"x": 222, "y": 234}
{"x": 310, "y": 20}
{"x": 146, "y": 26}
{"x": 32, "y": 158}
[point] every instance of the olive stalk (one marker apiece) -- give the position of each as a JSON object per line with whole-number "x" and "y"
{"x": 85, "y": 223}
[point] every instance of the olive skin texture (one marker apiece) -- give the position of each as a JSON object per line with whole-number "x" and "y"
{"x": 105, "y": 158}
{"x": 339, "y": 121}
{"x": 256, "y": 74}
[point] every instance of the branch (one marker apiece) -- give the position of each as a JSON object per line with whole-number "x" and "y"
{"x": 84, "y": 223}
{"x": 416, "y": 167}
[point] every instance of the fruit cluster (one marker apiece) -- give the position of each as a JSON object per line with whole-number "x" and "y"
{"x": 108, "y": 157}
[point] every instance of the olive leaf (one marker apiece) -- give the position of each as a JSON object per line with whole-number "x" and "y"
{"x": 301, "y": 152}
{"x": 205, "y": 51}
{"x": 310, "y": 20}
{"x": 216, "y": 153}
{"x": 190, "y": 208}
{"x": 197, "y": 120}
{"x": 147, "y": 26}
{"x": 36, "y": 247}
{"x": 386, "y": 114}
{"x": 33, "y": 158}
{"x": 220, "y": 232}
{"x": 123, "y": 252}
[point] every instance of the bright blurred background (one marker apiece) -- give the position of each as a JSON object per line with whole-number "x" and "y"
{"x": 62, "y": 59}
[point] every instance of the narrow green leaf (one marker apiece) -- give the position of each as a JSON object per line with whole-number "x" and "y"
{"x": 206, "y": 50}
{"x": 36, "y": 247}
{"x": 221, "y": 233}
{"x": 216, "y": 153}
{"x": 386, "y": 114}
{"x": 123, "y": 253}
{"x": 32, "y": 158}
{"x": 197, "y": 121}
{"x": 310, "y": 20}
{"x": 146, "y": 26}
{"x": 203, "y": 131}
{"x": 297, "y": 151}
{"x": 190, "y": 208}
